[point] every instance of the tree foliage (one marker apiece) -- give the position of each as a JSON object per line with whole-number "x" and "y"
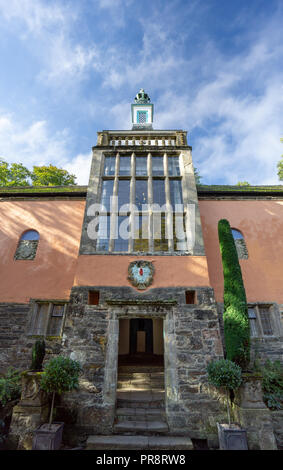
{"x": 235, "y": 317}
{"x": 280, "y": 166}
{"x": 16, "y": 174}
{"x": 61, "y": 374}
{"x": 224, "y": 373}
{"x": 10, "y": 386}
{"x": 198, "y": 177}
{"x": 272, "y": 384}
{"x": 38, "y": 353}
{"x": 243, "y": 183}
{"x": 51, "y": 176}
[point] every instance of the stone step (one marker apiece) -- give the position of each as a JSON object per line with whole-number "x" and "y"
{"x": 140, "y": 369}
{"x": 140, "y": 396}
{"x": 118, "y": 442}
{"x": 141, "y": 414}
{"x": 146, "y": 427}
{"x": 132, "y": 387}
{"x": 140, "y": 399}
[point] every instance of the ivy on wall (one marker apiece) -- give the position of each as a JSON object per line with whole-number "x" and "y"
{"x": 235, "y": 317}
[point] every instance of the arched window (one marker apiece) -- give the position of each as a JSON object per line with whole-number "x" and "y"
{"x": 27, "y": 246}
{"x": 240, "y": 244}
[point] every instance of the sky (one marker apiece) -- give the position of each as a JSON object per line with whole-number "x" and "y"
{"x": 214, "y": 68}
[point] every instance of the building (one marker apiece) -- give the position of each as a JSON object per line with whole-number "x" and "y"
{"x": 148, "y": 302}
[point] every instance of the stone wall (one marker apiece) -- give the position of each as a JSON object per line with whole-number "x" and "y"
{"x": 191, "y": 340}
{"x": 264, "y": 347}
{"x": 277, "y": 420}
{"x": 13, "y": 323}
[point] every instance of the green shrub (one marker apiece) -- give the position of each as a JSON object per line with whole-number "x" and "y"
{"x": 38, "y": 353}
{"x": 225, "y": 373}
{"x": 61, "y": 374}
{"x": 272, "y": 384}
{"x": 235, "y": 317}
{"x": 10, "y": 386}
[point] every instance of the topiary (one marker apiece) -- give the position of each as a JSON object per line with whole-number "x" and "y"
{"x": 61, "y": 374}
{"x": 235, "y": 317}
{"x": 225, "y": 373}
{"x": 38, "y": 353}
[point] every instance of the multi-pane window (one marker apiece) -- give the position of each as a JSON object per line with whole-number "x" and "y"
{"x": 159, "y": 196}
{"x": 157, "y": 166}
{"x": 141, "y": 198}
{"x": 106, "y": 193}
{"x": 109, "y": 166}
{"x": 261, "y": 320}
{"x": 173, "y": 166}
{"x": 123, "y": 194}
{"x": 176, "y": 195}
{"x": 145, "y": 186}
{"x": 47, "y": 318}
{"x": 141, "y": 166}
{"x": 125, "y": 166}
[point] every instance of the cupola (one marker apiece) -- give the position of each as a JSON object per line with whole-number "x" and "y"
{"x": 142, "y": 111}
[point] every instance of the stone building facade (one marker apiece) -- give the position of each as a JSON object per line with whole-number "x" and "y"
{"x": 143, "y": 301}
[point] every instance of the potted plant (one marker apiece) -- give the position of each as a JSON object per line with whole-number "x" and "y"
{"x": 60, "y": 374}
{"x": 228, "y": 375}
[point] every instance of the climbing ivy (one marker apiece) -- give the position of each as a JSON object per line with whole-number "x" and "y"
{"x": 235, "y": 317}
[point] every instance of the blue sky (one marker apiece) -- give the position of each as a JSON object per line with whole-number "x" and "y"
{"x": 211, "y": 67}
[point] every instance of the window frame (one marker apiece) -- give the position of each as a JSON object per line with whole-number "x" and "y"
{"x": 148, "y": 211}
{"x": 274, "y": 324}
{"x": 36, "y": 304}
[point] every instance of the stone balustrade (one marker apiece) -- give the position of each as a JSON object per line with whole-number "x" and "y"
{"x": 172, "y": 139}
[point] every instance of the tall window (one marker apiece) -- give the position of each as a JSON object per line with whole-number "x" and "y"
{"x": 240, "y": 244}
{"x": 144, "y": 185}
{"x": 27, "y": 245}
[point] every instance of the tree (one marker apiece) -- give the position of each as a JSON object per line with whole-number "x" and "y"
{"x": 16, "y": 174}
{"x": 280, "y": 166}
{"x": 243, "y": 183}
{"x": 226, "y": 374}
{"x": 198, "y": 177}
{"x": 235, "y": 317}
{"x": 51, "y": 176}
{"x": 61, "y": 374}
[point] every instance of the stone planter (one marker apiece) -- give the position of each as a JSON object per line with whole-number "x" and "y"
{"x": 29, "y": 413}
{"x": 48, "y": 437}
{"x": 232, "y": 437}
{"x": 251, "y": 412}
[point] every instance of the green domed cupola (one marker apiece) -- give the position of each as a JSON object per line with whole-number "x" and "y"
{"x": 142, "y": 111}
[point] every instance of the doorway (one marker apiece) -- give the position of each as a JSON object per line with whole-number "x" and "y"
{"x": 141, "y": 341}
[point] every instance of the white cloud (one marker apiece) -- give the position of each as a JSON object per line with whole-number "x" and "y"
{"x": 37, "y": 145}
{"x": 80, "y": 167}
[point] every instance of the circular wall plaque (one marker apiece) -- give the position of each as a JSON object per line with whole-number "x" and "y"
{"x": 140, "y": 274}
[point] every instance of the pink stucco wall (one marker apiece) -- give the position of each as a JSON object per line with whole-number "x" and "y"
{"x": 261, "y": 223}
{"x": 50, "y": 275}
{"x": 57, "y": 266}
{"x": 170, "y": 271}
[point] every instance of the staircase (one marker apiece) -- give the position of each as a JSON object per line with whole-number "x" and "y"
{"x": 140, "y": 421}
